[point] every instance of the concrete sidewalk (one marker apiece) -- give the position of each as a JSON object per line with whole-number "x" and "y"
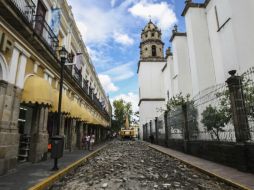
{"x": 29, "y": 174}
{"x": 245, "y": 180}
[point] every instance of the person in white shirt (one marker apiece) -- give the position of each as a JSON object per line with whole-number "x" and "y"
{"x": 92, "y": 140}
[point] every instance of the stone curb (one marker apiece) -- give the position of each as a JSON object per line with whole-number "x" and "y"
{"x": 45, "y": 183}
{"x": 228, "y": 181}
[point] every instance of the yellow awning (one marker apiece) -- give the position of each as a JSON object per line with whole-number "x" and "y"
{"x": 66, "y": 102}
{"x": 75, "y": 110}
{"x": 37, "y": 90}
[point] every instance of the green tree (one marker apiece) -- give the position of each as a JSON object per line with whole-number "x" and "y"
{"x": 121, "y": 108}
{"x": 215, "y": 120}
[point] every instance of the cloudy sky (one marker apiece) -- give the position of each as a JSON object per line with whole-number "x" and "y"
{"x": 111, "y": 31}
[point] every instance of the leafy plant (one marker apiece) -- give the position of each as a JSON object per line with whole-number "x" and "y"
{"x": 176, "y": 106}
{"x": 215, "y": 120}
{"x": 177, "y": 100}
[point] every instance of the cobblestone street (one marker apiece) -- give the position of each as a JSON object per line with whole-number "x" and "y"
{"x": 132, "y": 166}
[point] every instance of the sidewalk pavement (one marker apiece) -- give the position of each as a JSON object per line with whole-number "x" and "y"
{"x": 246, "y": 180}
{"x": 29, "y": 174}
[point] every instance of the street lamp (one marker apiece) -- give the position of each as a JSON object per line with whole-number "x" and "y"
{"x": 63, "y": 57}
{"x": 57, "y": 141}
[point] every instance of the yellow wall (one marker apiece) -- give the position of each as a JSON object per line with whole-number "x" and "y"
{"x": 29, "y": 66}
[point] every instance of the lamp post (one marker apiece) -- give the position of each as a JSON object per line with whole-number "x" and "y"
{"x": 63, "y": 57}
{"x": 57, "y": 141}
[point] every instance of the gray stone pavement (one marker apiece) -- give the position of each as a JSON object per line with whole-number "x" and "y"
{"x": 29, "y": 174}
{"x": 228, "y": 173}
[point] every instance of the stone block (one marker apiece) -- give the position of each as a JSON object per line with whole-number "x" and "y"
{"x": 10, "y": 90}
{"x": 12, "y": 151}
{"x": 3, "y": 168}
{"x": 3, "y": 151}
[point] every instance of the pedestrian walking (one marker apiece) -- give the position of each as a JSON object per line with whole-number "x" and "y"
{"x": 83, "y": 141}
{"x": 92, "y": 140}
{"x": 88, "y": 138}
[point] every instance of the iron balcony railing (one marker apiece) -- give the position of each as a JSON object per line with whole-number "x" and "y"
{"x": 42, "y": 28}
{"x": 26, "y": 7}
{"x": 78, "y": 75}
{"x": 37, "y": 22}
{"x": 85, "y": 86}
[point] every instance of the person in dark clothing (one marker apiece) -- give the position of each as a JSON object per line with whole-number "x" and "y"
{"x": 151, "y": 138}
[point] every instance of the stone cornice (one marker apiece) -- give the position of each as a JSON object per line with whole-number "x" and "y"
{"x": 151, "y": 100}
{"x": 150, "y": 59}
{"x": 177, "y": 34}
{"x": 151, "y": 40}
{"x": 193, "y": 5}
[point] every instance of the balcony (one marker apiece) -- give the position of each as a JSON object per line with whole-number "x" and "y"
{"x": 77, "y": 75}
{"x": 26, "y": 7}
{"x": 43, "y": 30}
{"x": 85, "y": 86}
{"x": 20, "y": 14}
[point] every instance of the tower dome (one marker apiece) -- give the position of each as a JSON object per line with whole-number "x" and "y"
{"x": 151, "y": 46}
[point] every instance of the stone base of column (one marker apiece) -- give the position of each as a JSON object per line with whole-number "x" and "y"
{"x": 9, "y": 134}
{"x": 241, "y": 157}
{"x": 39, "y": 147}
{"x": 186, "y": 146}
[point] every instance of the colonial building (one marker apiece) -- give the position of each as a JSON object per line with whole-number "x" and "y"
{"x": 31, "y": 33}
{"x": 218, "y": 38}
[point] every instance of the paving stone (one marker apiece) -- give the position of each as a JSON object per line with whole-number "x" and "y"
{"x": 133, "y": 166}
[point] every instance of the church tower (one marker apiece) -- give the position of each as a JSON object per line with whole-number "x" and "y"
{"x": 151, "y": 64}
{"x": 151, "y": 46}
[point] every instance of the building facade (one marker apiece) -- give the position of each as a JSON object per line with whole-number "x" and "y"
{"x": 218, "y": 38}
{"x": 152, "y": 60}
{"x": 31, "y": 33}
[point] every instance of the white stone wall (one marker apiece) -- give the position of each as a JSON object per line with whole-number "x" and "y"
{"x": 148, "y": 110}
{"x": 232, "y": 45}
{"x": 151, "y": 86}
{"x": 200, "y": 53}
{"x": 151, "y": 80}
{"x": 181, "y": 66}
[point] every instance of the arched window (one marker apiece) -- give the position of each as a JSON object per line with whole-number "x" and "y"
{"x": 153, "y": 50}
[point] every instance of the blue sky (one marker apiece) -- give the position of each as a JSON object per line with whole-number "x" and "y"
{"x": 111, "y": 31}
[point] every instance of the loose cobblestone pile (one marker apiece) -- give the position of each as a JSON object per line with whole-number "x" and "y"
{"x": 132, "y": 165}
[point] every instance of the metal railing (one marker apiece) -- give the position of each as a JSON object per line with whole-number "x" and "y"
{"x": 26, "y": 7}
{"x": 78, "y": 75}
{"x": 43, "y": 30}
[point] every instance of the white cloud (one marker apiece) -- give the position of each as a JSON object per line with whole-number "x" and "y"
{"x": 121, "y": 72}
{"x": 107, "y": 83}
{"x": 123, "y": 39}
{"x": 162, "y": 13}
{"x": 129, "y": 97}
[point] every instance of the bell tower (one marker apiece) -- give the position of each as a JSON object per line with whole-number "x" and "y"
{"x": 150, "y": 76}
{"x": 151, "y": 46}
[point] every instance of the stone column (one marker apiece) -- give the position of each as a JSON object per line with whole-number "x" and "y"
{"x": 9, "y": 134}
{"x": 21, "y": 71}
{"x": 166, "y": 127}
{"x": 185, "y": 123}
{"x": 240, "y": 118}
{"x": 39, "y": 134}
{"x": 61, "y": 130}
{"x": 73, "y": 134}
{"x": 146, "y": 131}
{"x": 13, "y": 65}
{"x": 186, "y": 137}
{"x": 156, "y": 130}
{"x": 151, "y": 130}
